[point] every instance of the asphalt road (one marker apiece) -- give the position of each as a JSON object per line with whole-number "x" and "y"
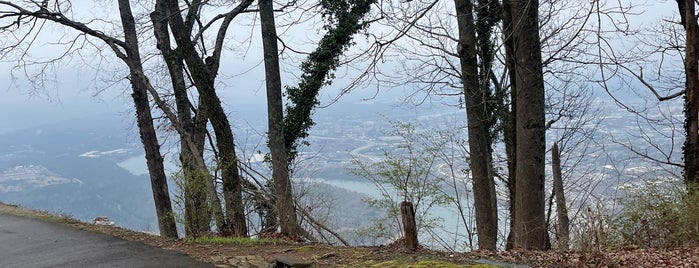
{"x": 26, "y": 242}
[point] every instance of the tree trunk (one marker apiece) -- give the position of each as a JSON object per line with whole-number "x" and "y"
{"x": 281, "y": 183}
{"x": 530, "y": 226}
{"x": 407, "y": 213}
{"x": 204, "y": 82}
{"x": 562, "y": 227}
{"x": 691, "y": 97}
{"x": 478, "y": 131}
{"x": 197, "y": 211}
{"x": 154, "y": 161}
{"x": 509, "y": 118}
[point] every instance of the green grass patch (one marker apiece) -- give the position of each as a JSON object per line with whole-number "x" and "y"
{"x": 245, "y": 241}
{"x": 304, "y": 249}
{"x": 36, "y": 214}
{"x": 61, "y": 218}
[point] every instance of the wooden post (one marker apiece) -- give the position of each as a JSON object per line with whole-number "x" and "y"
{"x": 409, "y": 227}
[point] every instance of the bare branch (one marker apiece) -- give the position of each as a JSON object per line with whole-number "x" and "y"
{"x": 650, "y": 87}
{"x": 57, "y": 17}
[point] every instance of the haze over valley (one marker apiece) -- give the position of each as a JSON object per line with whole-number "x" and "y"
{"x": 94, "y": 166}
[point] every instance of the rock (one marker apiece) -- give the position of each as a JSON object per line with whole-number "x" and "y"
{"x": 219, "y": 259}
{"x": 102, "y": 220}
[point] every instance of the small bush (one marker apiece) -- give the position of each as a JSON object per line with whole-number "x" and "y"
{"x": 658, "y": 213}
{"x": 592, "y": 230}
{"x": 408, "y": 172}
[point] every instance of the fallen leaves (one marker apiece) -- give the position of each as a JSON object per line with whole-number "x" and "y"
{"x": 686, "y": 256}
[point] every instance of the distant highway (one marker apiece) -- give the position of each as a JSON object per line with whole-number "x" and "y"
{"x": 26, "y": 242}
{"x": 358, "y": 151}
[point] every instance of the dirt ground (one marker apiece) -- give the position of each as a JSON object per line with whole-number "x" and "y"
{"x": 320, "y": 255}
{"x": 317, "y": 255}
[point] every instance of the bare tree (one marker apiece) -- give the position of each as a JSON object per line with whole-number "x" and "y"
{"x": 127, "y": 50}
{"x": 198, "y": 186}
{"x": 203, "y": 76}
{"x": 203, "y": 194}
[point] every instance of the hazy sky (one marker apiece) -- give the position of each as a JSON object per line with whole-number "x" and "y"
{"x": 72, "y": 90}
{"x": 73, "y": 94}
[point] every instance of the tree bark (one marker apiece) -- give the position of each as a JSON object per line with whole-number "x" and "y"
{"x": 281, "y": 183}
{"x": 478, "y": 131}
{"x": 509, "y": 118}
{"x": 154, "y": 160}
{"x": 562, "y": 227}
{"x": 530, "y": 226}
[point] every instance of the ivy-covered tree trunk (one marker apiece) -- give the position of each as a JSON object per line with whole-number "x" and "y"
{"x": 281, "y": 183}
{"x": 478, "y": 129}
{"x": 344, "y": 20}
{"x": 691, "y": 98}
{"x": 488, "y": 15}
{"x": 149, "y": 138}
